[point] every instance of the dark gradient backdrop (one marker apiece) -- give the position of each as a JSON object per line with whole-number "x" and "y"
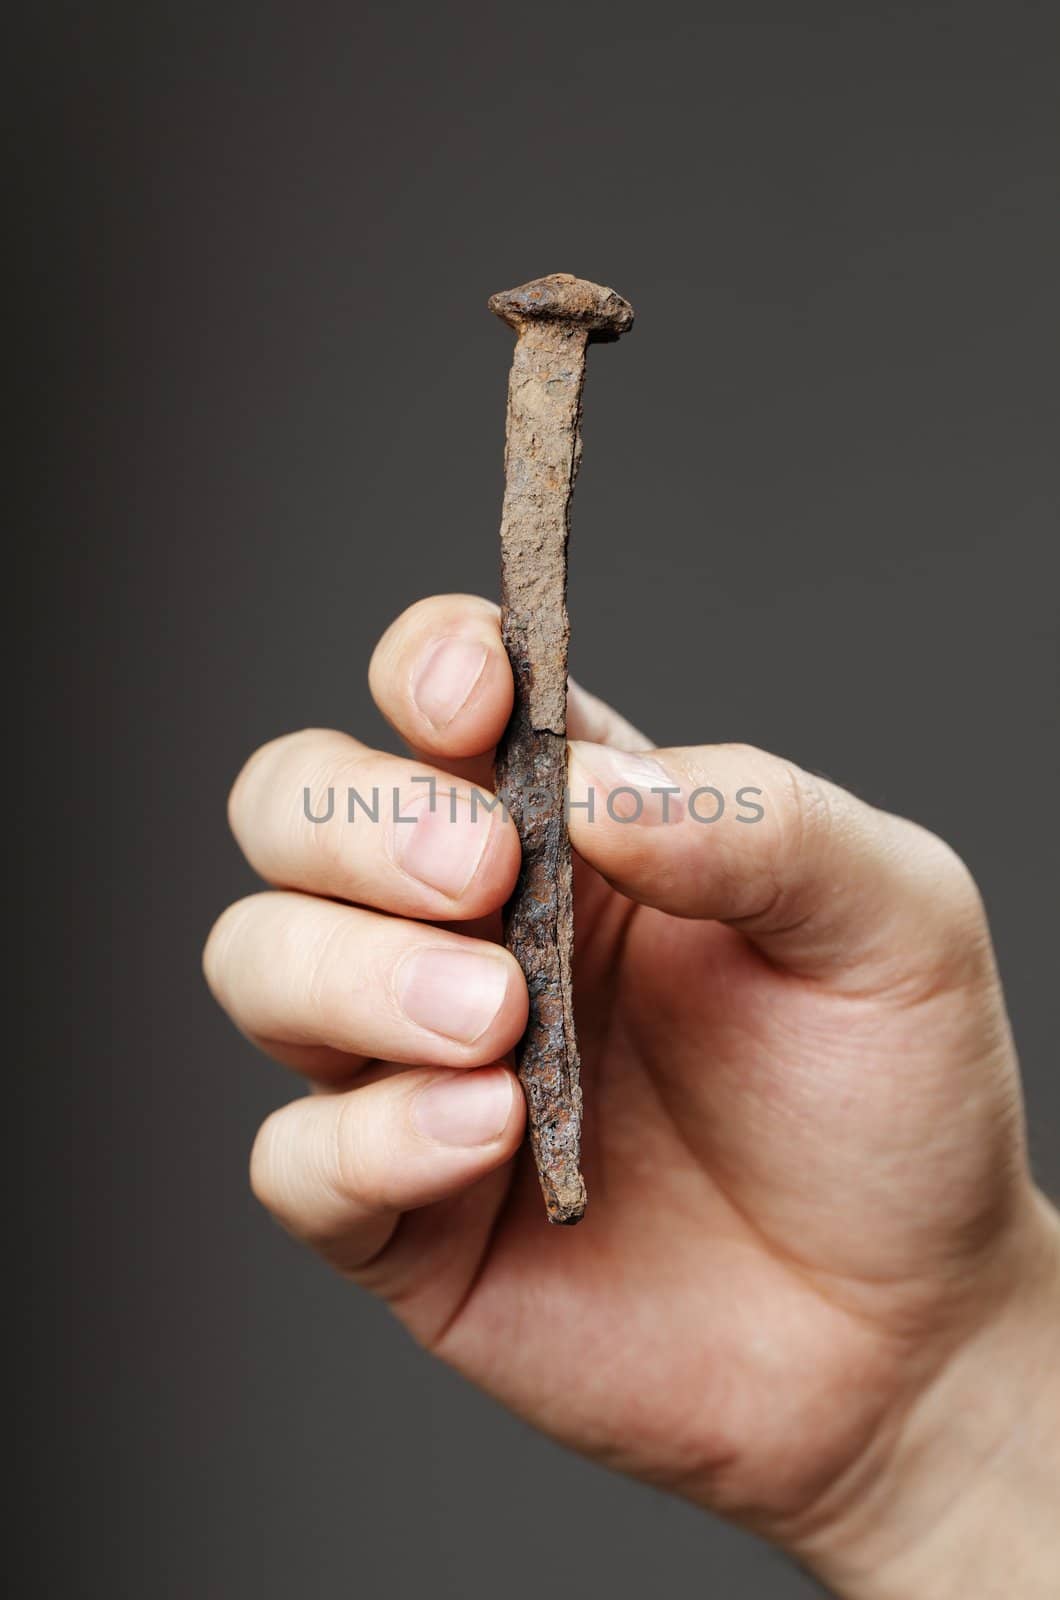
{"x": 263, "y": 404}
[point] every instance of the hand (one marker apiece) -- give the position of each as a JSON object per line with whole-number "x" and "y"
{"x": 815, "y": 1284}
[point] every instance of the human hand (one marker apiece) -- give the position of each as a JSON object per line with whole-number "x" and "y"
{"x": 815, "y": 1285}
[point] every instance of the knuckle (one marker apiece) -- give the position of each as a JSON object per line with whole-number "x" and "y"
{"x": 330, "y": 783}
{"x": 805, "y": 818}
{"x": 216, "y": 955}
{"x": 952, "y": 879}
{"x": 324, "y": 1005}
{"x": 288, "y": 803}
{"x": 811, "y": 811}
{"x": 751, "y": 753}
{"x": 242, "y": 788}
{"x": 266, "y": 1163}
{"x": 803, "y": 808}
{"x": 354, "y": 1167}
{"x": 267, "y": 757}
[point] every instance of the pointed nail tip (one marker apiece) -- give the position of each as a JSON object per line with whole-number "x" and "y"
{"x": 566, "y": 1211}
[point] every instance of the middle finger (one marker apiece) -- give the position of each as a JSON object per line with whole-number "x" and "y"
{"x": 320, "y": 812}
{"x": 299, "y": 971}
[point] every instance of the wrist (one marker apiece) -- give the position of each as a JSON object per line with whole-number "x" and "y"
{"x": 962, "y": 1496}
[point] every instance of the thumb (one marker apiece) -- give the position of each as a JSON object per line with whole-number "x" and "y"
{"x": 822, "y": 883}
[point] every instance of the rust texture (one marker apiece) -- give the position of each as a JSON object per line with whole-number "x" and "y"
{"x": 555, "y": 318}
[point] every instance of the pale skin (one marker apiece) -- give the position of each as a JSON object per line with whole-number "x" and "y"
{"x": 816, "y": 1289}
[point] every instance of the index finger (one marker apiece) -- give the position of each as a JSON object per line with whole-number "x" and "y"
{"x": 440, "y": 675}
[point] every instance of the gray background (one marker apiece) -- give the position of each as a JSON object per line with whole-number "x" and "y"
{"x": 263, "y": 411}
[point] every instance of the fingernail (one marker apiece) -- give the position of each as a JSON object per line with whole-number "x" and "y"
{"x": 445, "y": 843}
{"x": 444, "y": 680}
{"x": 468, "y": 1108}
{"x": 452, "y": 992}
{"x": 624, "y": 787}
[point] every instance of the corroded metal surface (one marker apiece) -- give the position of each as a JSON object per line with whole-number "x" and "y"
{"x": 555, "y": 318}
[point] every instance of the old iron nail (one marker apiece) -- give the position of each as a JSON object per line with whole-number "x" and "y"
{"x": 555, "y": 319}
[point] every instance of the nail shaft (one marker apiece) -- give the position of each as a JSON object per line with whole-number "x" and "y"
{"x": 554, "y": 319}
